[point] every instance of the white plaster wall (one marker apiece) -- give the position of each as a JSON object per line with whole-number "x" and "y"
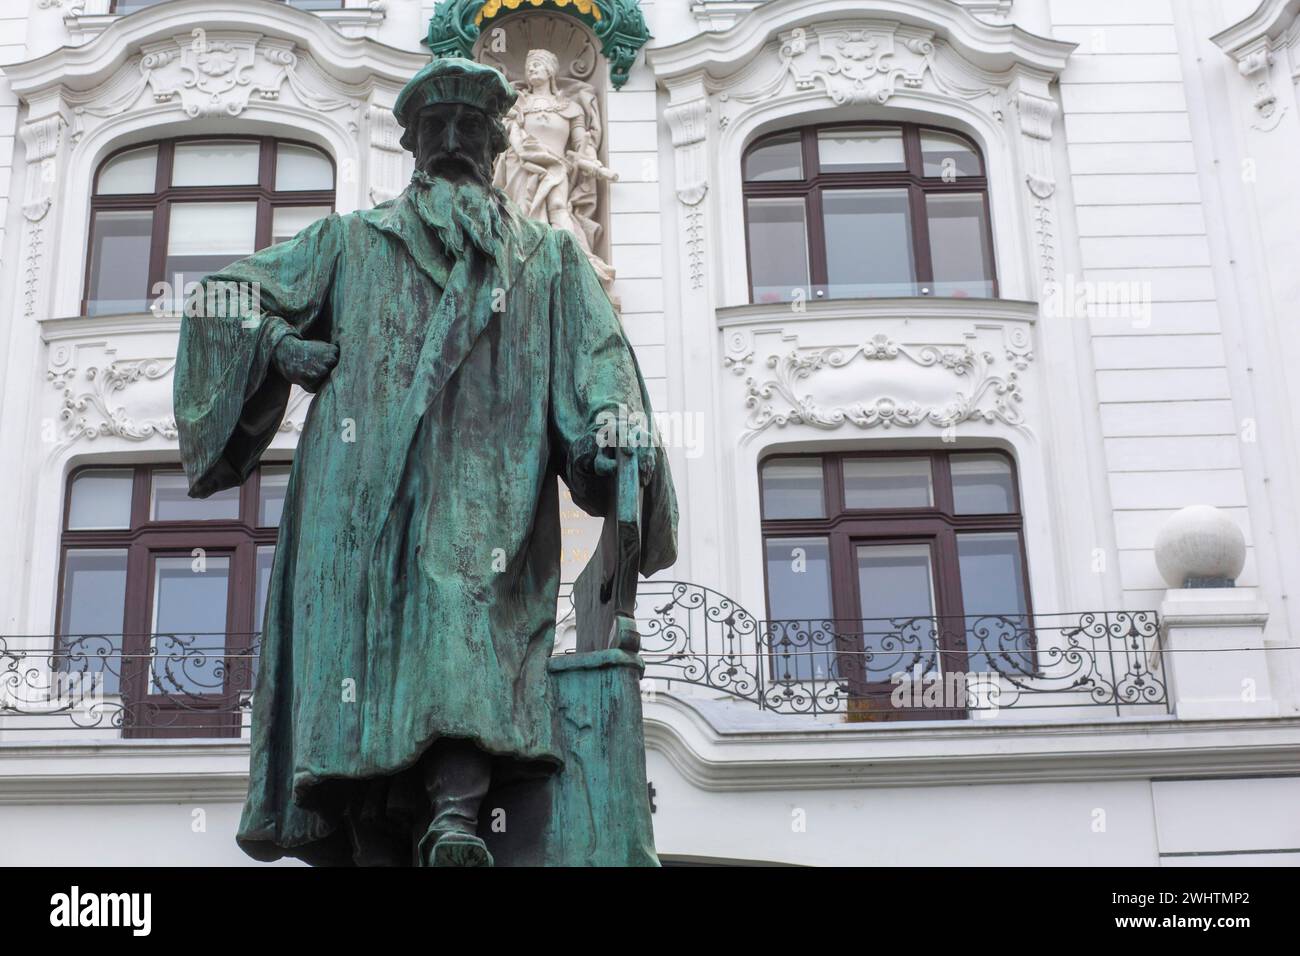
{"x": 1165, "y": 402}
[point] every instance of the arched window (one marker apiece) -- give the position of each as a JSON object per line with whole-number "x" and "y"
{"x": 865, "y": 211}
{"x": 175, "y": 211}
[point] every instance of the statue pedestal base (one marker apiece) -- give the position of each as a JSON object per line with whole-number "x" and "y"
{"x": 596, "y": 811}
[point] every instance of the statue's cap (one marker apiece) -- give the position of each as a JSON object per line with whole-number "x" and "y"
{"x": 451, "y": 79}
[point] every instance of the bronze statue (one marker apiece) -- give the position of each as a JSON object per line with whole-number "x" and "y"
{"x": 461, "y": 356}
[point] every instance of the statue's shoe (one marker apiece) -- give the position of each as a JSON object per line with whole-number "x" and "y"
{"x": 453, "y": 849}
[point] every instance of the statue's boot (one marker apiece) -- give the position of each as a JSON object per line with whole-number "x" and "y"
{"x": 456, "y": 777}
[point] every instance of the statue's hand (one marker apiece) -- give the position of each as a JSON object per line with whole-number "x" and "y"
{"x": 305, "y": 362}
{"x": 600, "y": 458}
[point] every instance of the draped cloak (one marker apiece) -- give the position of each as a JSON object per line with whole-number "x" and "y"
{"x": 414, "y": 588}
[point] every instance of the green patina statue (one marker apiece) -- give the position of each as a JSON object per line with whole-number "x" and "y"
{"x": 461, "y": 357}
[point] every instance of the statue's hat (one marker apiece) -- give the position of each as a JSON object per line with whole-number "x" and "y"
{"x": 451, "y": 79}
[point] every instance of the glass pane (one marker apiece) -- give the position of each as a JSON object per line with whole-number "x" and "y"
{"x": 119, "y": 261}
{"x": 265, "y": 559}
{"x": 982, "y": 485}
{"x": 887, "y": 483}
{"x": 861, "y": 150}
{"x": 101, "y": 499}
{"x": 189, "y": 625}
{"x": 288, "y": 221}
{"x": 800, "y": 631}
{"x": 171, "y": 501}
{"x": 92, "y": 615}
{"x": 216, "y": 163}
{"x": 778, "y": 248}
{"x": 131, "y": 172}
{"x": 270, "y": 498}
{"x": 301, "y": 167}
{"x": 992, "y": 583}
{"x": 792, "y": 488}
{"x": 779, "y": 158}
{"x": 947, "y": 156}
{"x": 206, "y": 237}
{"x": 896, "y": 591}
{"x": 868, "y": 243}
{"x": 958, "y": 245}
{"x": 131, "y": 6}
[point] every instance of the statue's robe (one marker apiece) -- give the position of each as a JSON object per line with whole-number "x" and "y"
{"x": 414, "y": 588}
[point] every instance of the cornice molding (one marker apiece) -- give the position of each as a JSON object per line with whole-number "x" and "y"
{"x": 758, "y": 753}
{"x": 1271, "y": 20}
{"x": 82, "y": 68}
{"x": 996, "y": 48}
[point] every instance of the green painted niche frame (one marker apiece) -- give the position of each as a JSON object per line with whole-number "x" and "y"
{"x": 618, "y": 25}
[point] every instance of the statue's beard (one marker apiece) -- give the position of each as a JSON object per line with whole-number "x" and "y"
{"x": 469, "y": 212}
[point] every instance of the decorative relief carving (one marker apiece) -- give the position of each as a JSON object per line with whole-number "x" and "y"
{"x": 829, "y": 387}
{"x": 42, "y": 138}
{"x": 211, "y": 75}
{"x": 387, "y": 157}
{"x": 867, "y": 62}
{"x": 107, "y": 398}
{"x": 88, "y": 411}
{"x": 688, "y": 125}
{"x": 1256, "y": 65}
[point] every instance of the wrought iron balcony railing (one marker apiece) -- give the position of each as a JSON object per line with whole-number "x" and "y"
{"x": 193, "y": 685}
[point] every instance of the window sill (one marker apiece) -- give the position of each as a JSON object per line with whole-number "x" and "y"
{"x": 918, "y": 307}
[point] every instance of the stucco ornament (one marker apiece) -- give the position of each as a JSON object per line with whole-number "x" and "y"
{"x": 551, "y": 167}
{"x": 1200, "y": 546}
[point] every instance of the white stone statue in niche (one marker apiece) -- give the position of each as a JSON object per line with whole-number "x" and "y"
{"x": 552, "y": 166}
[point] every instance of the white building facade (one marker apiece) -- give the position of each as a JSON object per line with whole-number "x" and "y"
{"x": 968, "y": 325}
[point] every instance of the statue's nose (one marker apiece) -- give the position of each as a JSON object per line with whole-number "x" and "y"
{"x": 451, "y": 137}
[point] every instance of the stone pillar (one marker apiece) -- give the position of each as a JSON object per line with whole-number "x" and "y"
{"x": 1212, "y": 632}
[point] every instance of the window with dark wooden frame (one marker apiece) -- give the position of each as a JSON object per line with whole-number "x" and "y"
{"x": 177, "y": 210}
{"x": 883, "y": 561}
{"x": 867, "y": 210}
{"x": 162, "y": 595}
{"x": 123, "y": 7}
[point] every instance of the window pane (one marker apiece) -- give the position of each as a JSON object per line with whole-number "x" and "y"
{"x": 288, "y": 221}
{"x": 958, "y": 245}
{"x": 101, "y": 499}
{"x": 119, "y": 261}
{"x": 131, "y": 6}
{"x": 887, "y": 483}
{"x": 992, "y": 583}
{"x": 171, "y": 501}
{"x": 778, "y": 248}
{"x": 206, "y": 237}
{"x": 896, "y": 592}
{"x": 860, "y": 150}
{"x": 982, "y": 485}
{"x": 131, "y": 172}
{"x": 92, "y": 615}
{"x": 301, "y": 167}
{"x": 779, "y": 158}
{"x": 265, "y": 559}
{"x": 792, "y": 488}
{"x": 868, "y": 243}
{"x": 947, "y": 156}
{"x": 270, "y": 503}
{"x": 216, "y": 163}
{"x": 800, "y": 631}
{"x": 189, "y": 625}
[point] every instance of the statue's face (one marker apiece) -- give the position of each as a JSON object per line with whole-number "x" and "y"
{"x": 455, "y": 142}
{"x": 537, "y": 70}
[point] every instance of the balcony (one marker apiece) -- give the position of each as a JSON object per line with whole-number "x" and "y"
{"x": 695, "y": 641}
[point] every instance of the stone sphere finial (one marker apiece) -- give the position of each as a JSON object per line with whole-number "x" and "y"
{"x": 1200, "y": 547}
